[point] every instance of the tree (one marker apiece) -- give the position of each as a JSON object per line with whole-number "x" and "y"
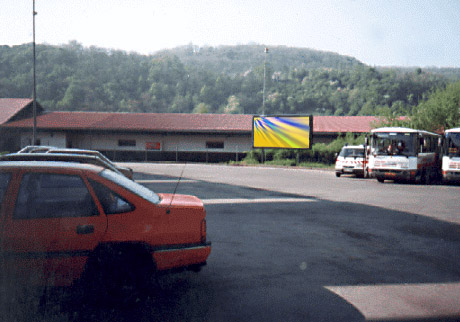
{"x": 201, "y": 108}
{"x": 440, "y": 112}
{"x": 233, "y": 106}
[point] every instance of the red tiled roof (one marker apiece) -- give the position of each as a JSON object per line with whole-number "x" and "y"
{"x": 9, "y": 107}
{"x": 175, "y": 122}
{"x": 160, "y": 122}
{"x": 344, "y": 124}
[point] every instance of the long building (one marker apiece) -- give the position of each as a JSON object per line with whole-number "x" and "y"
{"x": 151, "y": 136}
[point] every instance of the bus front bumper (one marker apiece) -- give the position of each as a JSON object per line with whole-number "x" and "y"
{"x": 404, "y": 175}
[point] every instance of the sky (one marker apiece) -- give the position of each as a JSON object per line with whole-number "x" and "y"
{"x": 420, "y": 33}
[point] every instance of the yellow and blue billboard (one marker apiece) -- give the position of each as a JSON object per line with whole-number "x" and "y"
{"x": 284, "y": 132}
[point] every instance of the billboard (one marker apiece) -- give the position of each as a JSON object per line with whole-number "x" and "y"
{"x": 285, "y": 132}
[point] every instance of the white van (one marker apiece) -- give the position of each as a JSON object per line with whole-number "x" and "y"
{"x": 351, "y": 160}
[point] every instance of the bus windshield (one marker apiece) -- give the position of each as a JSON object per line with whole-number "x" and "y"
{"x": 453, "y": 144}
{"x": 392, "y": 143}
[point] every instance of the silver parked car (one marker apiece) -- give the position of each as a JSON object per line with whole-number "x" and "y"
{"x": 127, "y": 172}
{"x": 61, "y": 157}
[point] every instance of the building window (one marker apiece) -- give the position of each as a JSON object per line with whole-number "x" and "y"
{"x": 214, "y": 144}
{"x": 126, "y": 142}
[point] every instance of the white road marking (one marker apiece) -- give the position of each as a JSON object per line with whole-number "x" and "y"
{"x": 165, "y": 181}
{"x": 403, "y": 301}
{"x": 258, "y": 200}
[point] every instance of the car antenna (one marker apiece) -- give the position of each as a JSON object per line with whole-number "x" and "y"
{"x": 168, "y": 210}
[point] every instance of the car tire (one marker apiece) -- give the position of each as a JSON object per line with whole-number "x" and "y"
{"x": 337, "y": 174}
{"x": 119, "y": 277}
{"x": 381, "y": 180}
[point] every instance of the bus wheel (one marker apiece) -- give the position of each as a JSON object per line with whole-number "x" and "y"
{"x": 425, "y": 178}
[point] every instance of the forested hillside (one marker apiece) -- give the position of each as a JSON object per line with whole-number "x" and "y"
{"x": 234, "y": 60}
{"x": 227, "y": 79}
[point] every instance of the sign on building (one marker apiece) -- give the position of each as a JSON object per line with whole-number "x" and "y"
{"x": 153, "y": 146}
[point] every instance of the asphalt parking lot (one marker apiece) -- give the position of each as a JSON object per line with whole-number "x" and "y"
{"x": 291, "y": 245}
{"x": 303, "y": 245}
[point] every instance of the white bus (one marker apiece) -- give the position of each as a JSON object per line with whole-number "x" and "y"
{"x": 451, "y": 156}
{"x": 404, "y": 154}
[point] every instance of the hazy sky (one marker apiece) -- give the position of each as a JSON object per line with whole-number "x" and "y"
{"x": 376, "y": 32}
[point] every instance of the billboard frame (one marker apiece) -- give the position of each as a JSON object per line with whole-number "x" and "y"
{"x": 310, "y": 134}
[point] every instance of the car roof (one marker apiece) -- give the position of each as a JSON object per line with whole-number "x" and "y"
{"x": 353, "y": 147}
{"x": 47, "y": 156}
{"x": 76, "y": 151}
{"x": 31, "y": 148}
{"x": 50, "y": 165}
{"x": 64, "y": 157}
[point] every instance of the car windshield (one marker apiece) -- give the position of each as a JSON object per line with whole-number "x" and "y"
{"x": 390, "y": 143}
{"x": 130, "y": 185}
{"x": 352, "y": 153}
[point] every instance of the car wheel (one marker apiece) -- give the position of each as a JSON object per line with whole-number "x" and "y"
{"x": 337, "y": 174}
{"x": 381, "y": 180}
{"x": 120, "y": 277}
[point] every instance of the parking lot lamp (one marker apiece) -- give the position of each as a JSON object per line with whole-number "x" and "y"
{"x": 263, "y": 92}
{"x": 34, "y": 130}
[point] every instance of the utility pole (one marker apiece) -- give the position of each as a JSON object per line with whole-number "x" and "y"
{"x": 34, "y": 131}
{"x": 263, "y": 93}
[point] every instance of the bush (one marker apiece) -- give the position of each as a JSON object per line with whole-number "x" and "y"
{"x": 319, "y": 153}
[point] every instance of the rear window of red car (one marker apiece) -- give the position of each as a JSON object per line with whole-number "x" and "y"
{"x": 130, "y": 185}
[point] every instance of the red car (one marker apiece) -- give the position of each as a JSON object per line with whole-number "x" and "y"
{"x": 66, "y": 222}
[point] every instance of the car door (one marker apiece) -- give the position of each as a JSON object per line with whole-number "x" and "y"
{"x": 5, "y": 179}
{"x": 53, "y": 225}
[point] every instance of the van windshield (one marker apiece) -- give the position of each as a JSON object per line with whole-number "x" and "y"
{"x": 352, "y": 153}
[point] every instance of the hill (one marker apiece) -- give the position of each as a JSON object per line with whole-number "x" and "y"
{"x": 226, "y": 79}
{"x": 233, "y": 60}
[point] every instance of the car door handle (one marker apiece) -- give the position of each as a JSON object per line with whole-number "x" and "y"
{"x": 85, "y": 229}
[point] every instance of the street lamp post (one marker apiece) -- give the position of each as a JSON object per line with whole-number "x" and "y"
{"x": 34, "y": 131}
{"x": 263, "y": 95}
{"x": 263, "y": 92}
